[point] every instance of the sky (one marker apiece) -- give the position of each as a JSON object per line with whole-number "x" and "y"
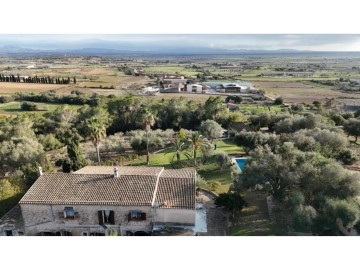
{"x": 311, "y": 42}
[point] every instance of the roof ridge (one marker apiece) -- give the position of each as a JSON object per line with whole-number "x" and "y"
{"x": 156, "y": 187}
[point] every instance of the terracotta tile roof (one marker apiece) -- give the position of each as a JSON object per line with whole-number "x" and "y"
{"x": 123, "y": 170}
{"x": 97, "y": 185}
{"x": 63, "y": 188}
{"x": 180, "y": 173}
{"x": 176, "y": 193}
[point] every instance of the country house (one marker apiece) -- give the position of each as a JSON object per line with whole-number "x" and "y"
{"x": 102, "y": 200}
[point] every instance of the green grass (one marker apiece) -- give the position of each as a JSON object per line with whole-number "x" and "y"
{"x": 209, "y": 171}
{"x": 267, "y": 229}
{"x": 254, "y": 219}
{"x": 228, "y": 146}
{"x": 256, "y": 109}
{"x": 15, "y": 107}
{"x": 171, "y": 70}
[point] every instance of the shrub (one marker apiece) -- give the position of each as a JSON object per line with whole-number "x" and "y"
{"x": 234, "y": 99}
{"x": 6, "y": 99}
{"x": 29, "y": 106}
{"x": 49, "y": 142}
{"x": 221, "y": 159}
{"x": 279, "y": 101}
{"x": 347, "y": 156}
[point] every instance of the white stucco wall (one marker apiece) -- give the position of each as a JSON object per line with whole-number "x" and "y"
{"x": 182, "y": 216}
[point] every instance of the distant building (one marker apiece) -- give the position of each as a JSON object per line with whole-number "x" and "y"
{"x": 137, "y": 72}
{"x": 232, "y": 88}
{"x": 195, "y": 88}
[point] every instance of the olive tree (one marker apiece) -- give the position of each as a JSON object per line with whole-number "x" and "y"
{"x": 352, "y": 127}
{"x": 211, "y": 130}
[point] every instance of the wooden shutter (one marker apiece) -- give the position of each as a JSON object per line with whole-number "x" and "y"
{"x": 101, "y": 219}
{"x": 112, "y": 218}
{"x": 143, "y": 216}
{"x": 129, "y": 216}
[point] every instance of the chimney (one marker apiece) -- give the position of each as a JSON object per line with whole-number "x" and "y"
{"x": 39, "y": 171}
{"x": 116, "y": 172}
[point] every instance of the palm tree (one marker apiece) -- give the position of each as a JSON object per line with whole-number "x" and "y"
{"x": 196, "y": 140}
{"x": 178, "y": 146}
{"x": 148, "y": 121}
{"x": 97, "y": 131}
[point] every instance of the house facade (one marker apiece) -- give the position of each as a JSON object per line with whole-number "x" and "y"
{"x": 232, "y": 88}
{"x": 101, "y": 200}
{"x": 194, "y": 88}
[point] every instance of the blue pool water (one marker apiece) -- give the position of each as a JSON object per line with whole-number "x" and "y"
{"x": 241, "y": 162}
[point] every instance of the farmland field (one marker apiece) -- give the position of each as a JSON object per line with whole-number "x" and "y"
{"x": 172, "y": 70}
{"x": 298, "y": 92}
{"x": 8, "y": 88}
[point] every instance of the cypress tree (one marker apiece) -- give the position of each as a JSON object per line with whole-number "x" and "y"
{"x": 77, "y": 159}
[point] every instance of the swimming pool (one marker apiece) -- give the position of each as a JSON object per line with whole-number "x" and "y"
{"x": 241, "y": 162}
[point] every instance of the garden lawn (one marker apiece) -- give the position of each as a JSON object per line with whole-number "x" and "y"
{"x": 209, "y": 171}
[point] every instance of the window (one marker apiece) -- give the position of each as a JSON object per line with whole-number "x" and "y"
{"x": 136, "y": 215}
{"x": 106, "y": 217}
{"x": 69, "y": 212}
{"x": 8, "y": 233}
{"x": 85, "y": 234}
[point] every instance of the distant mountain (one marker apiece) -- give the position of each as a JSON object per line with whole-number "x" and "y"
{"x": 127, "y": 49}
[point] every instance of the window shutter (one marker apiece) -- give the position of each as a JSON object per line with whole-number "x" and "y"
{"x": 101, "y": 219}
{"x": 112, "y": 218}
{"x": 143, "y": 216}
{"x": 129, "y": 216}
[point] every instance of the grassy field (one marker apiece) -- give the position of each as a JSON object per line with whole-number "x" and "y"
{"x": 15, "y": 108}
{"x": 254, "y": 218}
{"x": 171, "y": 70}
{"x": 256, "y": 109}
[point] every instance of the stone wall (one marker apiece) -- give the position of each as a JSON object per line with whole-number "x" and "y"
{"x": 50, "y": 218}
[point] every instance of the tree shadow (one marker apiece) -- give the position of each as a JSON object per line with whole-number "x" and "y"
{"x": 8, "y": 203}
